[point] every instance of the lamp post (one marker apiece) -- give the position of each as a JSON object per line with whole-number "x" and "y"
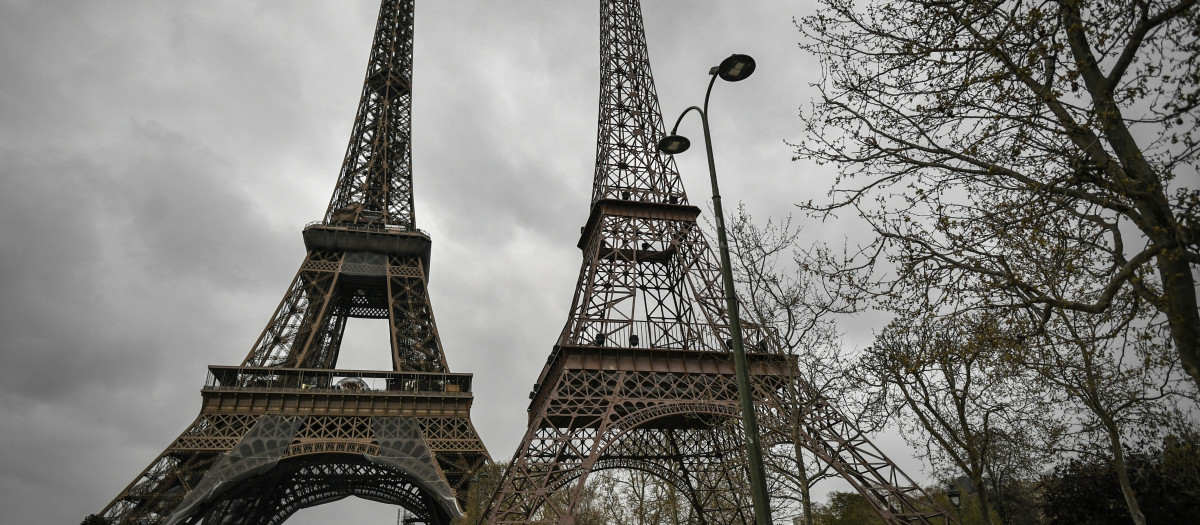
{"x": 956, "y": 500}
{"x": 475, "y": 485}
{"x": 732, "y": 69}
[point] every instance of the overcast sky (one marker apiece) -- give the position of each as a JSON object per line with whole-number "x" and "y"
{"x": 158, "y": 160}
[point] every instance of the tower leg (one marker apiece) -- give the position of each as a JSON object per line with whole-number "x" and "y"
{"x": 258, "y": 451}
{"x": 293, "y": 337}
{"x": 261, "y": 469}
{"x": 676, "y": 426}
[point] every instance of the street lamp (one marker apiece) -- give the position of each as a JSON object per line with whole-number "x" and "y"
{"x": 732, "y": 69}
{"x": 956, "y": 500}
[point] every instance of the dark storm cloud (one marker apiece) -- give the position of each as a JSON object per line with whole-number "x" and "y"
{"x": 158, "y": 160}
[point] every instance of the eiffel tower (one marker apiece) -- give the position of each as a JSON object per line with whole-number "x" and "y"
{"x": 641, "y": 377}
{"x": 287, "y": 429}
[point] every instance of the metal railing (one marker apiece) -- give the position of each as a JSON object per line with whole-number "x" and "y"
{"x": 366, "y": 227}
{"x": 663, "y": 334}
{"x": 244, "y": 378}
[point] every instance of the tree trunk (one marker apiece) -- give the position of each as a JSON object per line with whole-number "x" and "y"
{"x": 1179, "y": 298}
{"x": 985, "y": 507}
{"x": 1118, "y": 463}
{"x": 805, "y": 494}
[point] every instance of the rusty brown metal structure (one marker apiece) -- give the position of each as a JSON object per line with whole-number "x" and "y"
{"x": 641, "y": 376}
{"x": 287, "y": 429}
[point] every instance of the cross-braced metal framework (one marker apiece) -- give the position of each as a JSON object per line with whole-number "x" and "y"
{"x": 287, "y": 429}
{"x": 641, "y": 377}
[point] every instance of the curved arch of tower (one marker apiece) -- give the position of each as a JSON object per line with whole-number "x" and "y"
{"x": 287, "y": 429}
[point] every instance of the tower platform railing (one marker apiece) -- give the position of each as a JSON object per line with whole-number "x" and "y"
{"x": 664, "y": 334}
{"x": 266, "y": 379}
{"x": 376, "y": 228}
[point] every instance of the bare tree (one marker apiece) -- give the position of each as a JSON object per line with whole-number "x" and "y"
{"x": 959, "y": 398}
{"x": 1119, "y": 383}
{"x": 799, "y": 311}
{"x": 995, "y": 146}
{"x": 996, "y": 397}
{"x": 482, "y": 486}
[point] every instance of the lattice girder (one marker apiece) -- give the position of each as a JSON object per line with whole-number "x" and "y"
{"x": 331, "y": 287}
{"x": 160, "y": 488}
{"x": 290, "y": 426}
{"x": 614, "y": 409}
{"x": 416, "y": 345}
{"x": 645, "y": 351}
{"x": 312, "y": 480}
{"x": 290, "y": 333}
{"x": 375, "y": 184}
{"x": 452, "y": 443}
{"x": 620, "y": 406}
{"x": 649, "y": 280}
{"x": 628, "y": 165}
{"x": 838, "y": 442}
{"x": 703, "y": 464}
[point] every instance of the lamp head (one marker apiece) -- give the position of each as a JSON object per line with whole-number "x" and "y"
{"x": 672, "y": 144}
{"x": 955, "y": 497}
{"x": 736, "y": 67}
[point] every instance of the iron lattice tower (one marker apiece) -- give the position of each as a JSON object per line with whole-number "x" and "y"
{"x": 641, "y": 376}
{"x": 287, "y": 429}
